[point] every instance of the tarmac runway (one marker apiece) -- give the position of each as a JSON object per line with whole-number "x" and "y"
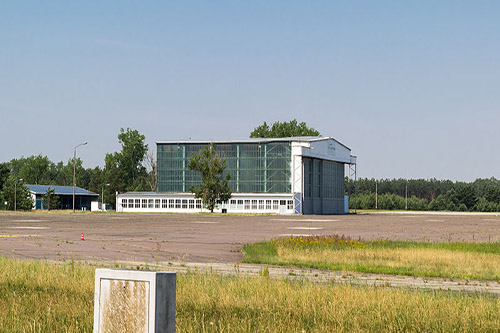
{"x": 205, "y": 238}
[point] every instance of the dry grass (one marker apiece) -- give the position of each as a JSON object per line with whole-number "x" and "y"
{"x": 211, "y": 303}
{"x": 45, "y": 297}
{"x": 414, "y": 261}
{"x": 452, "y": 260}
{"x": 41, "y": 297}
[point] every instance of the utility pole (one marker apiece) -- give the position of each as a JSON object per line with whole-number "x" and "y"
{"x": 406, "y": 196}
{"x": 74, "y": 173}
{"x": 376, "y": 195}
{"x": 355, "y": 188}
{"x": 15, "y": 193}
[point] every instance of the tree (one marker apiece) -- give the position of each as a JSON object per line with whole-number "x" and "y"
{"x": 15, "y": 190}
{"x": 132, "y": 155}
{"x": 285, "y": 129}
{"x": 123, "y": 170}
{"x": 464, "y": 196}
{"x": 96, "y": 179}
{"x": 50, "y": 199}
{"x": 214, "y": 189}
{"x": 440, "y": 203}
{"x": 41, "y": 170}
{"x": 127, "y": 163}
{"x": 33, "y": 169}
{"x": 493, "y": 193}
{"x": 113, "y": 175}
{"x": 4, "y": 174}
{"x": 152, "y": 165}
{"x": 64, "y": 174}
{"x": 415, "y": 203}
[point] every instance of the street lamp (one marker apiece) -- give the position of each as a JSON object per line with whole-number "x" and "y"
{"x": 102, "y": 197}
{"x": 15, "y": 194}
{"x": 74, "y": 173}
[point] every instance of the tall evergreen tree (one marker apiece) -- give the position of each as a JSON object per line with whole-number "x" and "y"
{"x": 50, "y": 199}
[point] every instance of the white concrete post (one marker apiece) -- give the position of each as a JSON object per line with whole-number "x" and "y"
{"x": 134, "y": 301}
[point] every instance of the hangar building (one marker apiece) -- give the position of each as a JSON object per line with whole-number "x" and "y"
{"x": 83, "y": 198}
{"x": 298, "y": 175}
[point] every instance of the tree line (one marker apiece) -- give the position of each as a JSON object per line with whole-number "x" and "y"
{"x": 481, "y": 195}
{"x": 131, "y": 169}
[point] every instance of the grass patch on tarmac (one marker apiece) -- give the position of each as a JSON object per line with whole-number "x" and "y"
{"x": 37, "y": 296}
{"x": 479, "y": 261}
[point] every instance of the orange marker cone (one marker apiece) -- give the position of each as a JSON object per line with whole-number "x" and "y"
{"x": 83, "y": 237}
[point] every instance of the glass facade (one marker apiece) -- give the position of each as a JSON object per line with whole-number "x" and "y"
{"x": 254, "y": 167}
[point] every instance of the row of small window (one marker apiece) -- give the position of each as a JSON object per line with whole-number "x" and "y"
{"x": 163, "y": 203}
{"x": 196, "y": 203}
{"x": 260, "y": 204}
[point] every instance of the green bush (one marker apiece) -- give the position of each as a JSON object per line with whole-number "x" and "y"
{"x": 415, "y": 203}
{"x": 438, "y": 195}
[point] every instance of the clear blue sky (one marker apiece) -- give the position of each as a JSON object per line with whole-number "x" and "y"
{"x": 412, "y": 87}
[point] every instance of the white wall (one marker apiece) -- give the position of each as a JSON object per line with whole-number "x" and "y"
{"x": 327, "y": 149}
{"x": 185, "y": 203}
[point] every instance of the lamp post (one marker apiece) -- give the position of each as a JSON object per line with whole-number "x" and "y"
{"x": 74, "y": 172}
{"x": 15, "y": 194}
{"x": 102, "y": 197}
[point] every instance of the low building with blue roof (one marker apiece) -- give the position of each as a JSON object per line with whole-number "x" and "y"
{"x": 83, "y": 197}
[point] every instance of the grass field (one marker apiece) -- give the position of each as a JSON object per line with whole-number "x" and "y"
{"x": 450, "y": 260}
{"x": 36, "y": 296}
{"x": 42, "y": 297}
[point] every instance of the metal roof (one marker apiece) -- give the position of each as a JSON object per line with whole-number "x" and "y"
{"x": 256, "y": 140}
{"x": 59, "y": 190}
{"x": 147, "y": 193}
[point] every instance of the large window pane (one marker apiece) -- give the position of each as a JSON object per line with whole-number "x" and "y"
{"x": 254, "y": 167}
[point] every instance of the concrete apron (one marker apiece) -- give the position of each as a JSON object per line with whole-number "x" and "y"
{"x": 324, "y": 276}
